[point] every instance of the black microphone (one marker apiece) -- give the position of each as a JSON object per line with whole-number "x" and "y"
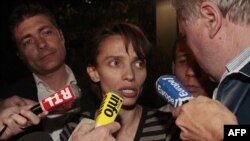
{"x": 36, "y": 136}
{"x": 171, "y": 90}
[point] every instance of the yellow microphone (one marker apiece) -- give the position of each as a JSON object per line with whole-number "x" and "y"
{"x": 109, "y": 109}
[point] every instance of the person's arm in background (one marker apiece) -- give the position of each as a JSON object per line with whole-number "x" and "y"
{"x": 203, "y": 119}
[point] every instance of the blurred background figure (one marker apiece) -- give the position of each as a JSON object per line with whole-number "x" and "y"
{"x": 188, "y": 72}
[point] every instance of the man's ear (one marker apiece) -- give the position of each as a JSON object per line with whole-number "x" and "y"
{"x": 93, "y": 73}
{"x": 213, "y": 16}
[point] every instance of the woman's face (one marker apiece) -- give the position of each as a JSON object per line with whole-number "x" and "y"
{"x": 119, "y": 70}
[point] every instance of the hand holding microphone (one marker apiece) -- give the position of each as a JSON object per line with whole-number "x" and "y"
{"x": 201, "y": 118}
{"x": 14, "y": 120}
{"x": 61, "y": 99}
{"x": 87, "y": 131}
{"x": 104, "y": 124}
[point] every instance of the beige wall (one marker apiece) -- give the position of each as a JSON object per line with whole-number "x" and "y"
{"x": 165, "y": 29}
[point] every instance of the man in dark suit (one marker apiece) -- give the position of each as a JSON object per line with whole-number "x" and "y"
{"x": 41, "y": 46}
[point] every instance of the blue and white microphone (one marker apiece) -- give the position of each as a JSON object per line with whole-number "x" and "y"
{"x": 171, "y": 90}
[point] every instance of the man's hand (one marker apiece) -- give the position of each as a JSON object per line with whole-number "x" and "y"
{"x": 88, "y": 132}
{"x": 15, "y": 119}
{"x": 15, "y": 101}
{"x": 203, "y": 119}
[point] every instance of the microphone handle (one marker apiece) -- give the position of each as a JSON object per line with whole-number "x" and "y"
{"x": 36, "y": 109}
{"x": 3, "y": 129}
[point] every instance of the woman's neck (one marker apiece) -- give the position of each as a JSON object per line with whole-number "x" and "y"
{"x": 128, "y": 116}
{"x": 129, "y": 120}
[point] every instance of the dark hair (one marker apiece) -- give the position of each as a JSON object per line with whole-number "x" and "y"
{"x": 26, "y": 10}
{"x": 179, "y": 39}
{"x": 131, "y": 33}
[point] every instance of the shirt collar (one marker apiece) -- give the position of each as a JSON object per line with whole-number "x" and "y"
{"x": 238, "y": 62}
{"x": 71, "y": 78}
{"x": 235, "y": 65}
